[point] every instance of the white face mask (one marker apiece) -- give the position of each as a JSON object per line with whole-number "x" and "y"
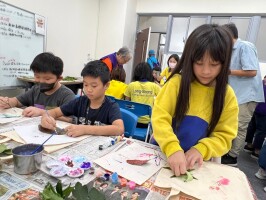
{"x": 172, "y": 65}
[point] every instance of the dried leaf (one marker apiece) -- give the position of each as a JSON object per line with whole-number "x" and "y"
{"x": 137, "y": 162}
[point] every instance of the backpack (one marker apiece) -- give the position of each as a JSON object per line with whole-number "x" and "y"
{"x": 154, "y": 64}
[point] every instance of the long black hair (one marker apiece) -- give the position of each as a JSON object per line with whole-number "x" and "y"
{"x": 215, "y": 40}
{"x": 143, "y": 72}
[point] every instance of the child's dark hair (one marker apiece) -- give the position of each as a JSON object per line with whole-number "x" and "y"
{"x": 217, "y": 41}
{"x": 118, "y": 74}
{"x": 96, "y": 69}
{"x": 232, "y": 29}
{"x": 143, "y": 72}
{"x": 175, "y": 56}
{"x": 47, "y": 62}
{"x": 157, "y": 69}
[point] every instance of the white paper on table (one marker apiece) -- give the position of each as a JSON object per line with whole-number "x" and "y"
{"x": 116, "y": 162}
{"x": 31, "y": 134}
{"x": 10, "y": 115}
{"x": 213, "y": 181}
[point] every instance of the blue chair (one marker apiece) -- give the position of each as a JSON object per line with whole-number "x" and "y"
{"x": 130, "y": 122}
{"x": 111, "y": 97}
{"x": 139, "y": 110}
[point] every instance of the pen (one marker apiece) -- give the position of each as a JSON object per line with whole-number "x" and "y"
{"x": 55, "y": 131}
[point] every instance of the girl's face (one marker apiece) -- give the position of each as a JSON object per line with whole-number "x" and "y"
{"x": 155, "y": 74}
{"x": 172, "y": 63}
{"x": 206, "y": 70}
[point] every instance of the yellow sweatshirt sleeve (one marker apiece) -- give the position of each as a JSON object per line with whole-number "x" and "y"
{"x": 162, "y": 114}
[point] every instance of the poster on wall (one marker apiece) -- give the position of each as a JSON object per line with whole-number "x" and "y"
{"x": 40, "y": 24}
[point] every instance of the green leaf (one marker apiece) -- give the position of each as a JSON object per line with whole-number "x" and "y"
{"x": 67, "y": 191}
{"x": 95, "y": 194}
{"x": 189, "y": 177}
{"x": 80, "y": 192}
{"x": 49, "y": 193}
{"x": 167, "y": 168}
{"x": 2, "y": 148}
{"x": 59, "y": 188}
{"x": 8, "y": 151}
{"x": 185, "y": 177}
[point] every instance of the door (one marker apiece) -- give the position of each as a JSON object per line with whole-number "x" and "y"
{"x": 141, "y": 45}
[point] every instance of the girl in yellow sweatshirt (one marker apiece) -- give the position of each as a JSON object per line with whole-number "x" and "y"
{"x": 195, "y": 115}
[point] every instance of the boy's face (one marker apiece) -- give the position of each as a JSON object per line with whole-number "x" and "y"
{"x": 45, "y": 77}
{"x": 48, "y": 81}
{"x": 94, "y": 88}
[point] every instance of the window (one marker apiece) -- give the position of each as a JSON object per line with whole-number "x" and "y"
{"x": 242, "y": 24}
{"x": 178, "y": 34}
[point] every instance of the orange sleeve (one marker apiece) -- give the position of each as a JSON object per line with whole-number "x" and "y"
{"x": 108, "y": 62}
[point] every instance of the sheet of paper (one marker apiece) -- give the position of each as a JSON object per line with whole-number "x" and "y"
{"x": 117, "y": 162}
{"x": 31, "y": 134}
{"x": 10, "y": 115}
{"x": 213, "y": 181}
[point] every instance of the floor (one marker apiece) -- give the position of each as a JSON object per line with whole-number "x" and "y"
{"x": 249, "y": 166}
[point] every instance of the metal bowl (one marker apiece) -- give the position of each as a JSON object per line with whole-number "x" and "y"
{"x": 24, "y": 161}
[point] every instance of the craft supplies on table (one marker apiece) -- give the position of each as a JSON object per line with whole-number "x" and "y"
{"x": 117, "y": 162}
{"x": 67, "y": 165}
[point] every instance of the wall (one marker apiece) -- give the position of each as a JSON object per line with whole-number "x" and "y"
{"x": 202, "y": 6}
{"x": 71, "y": 29}
{"x": 111, "y": 26}
{"x": 117, "y": 27}
{"x": 130, "y": 34}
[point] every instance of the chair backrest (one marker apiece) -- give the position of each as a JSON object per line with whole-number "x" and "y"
{"x": 137, "y": 108}
{"x": 111, "y": 97}
{"x": 130, "y": 122}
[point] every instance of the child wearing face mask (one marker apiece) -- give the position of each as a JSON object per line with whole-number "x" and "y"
{"x": 171, "y": 62}
{"x": 47, "y": 93}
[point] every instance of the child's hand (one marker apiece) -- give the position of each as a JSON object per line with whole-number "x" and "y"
{"x": 193, "y": 156}
{"x": 32, "y": 112}
{"x": 4, "y": 102}
{"x": 177, "y": 162}
{"x": 48, "y": 122}
{"x": 75, "y": 130}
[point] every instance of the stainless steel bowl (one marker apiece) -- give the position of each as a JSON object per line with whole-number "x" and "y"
{"x": 24, "y": 161}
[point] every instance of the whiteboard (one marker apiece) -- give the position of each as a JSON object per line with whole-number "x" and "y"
{"x": 19, "y": 44}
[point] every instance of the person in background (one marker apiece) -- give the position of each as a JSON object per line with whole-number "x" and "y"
{"x": 117, "y": 59}
{"x": 261, "y": 174}
{"x": 47, "y": 93}
{"x": 257, "y": 128}
{"x": 156, "y": 75}
{"x": 245, "y": 79}
{"x": 117, "y": 85}
{"x": 95, "y": 114}
{"x": 171, "y": 63}
{"x": 142, "y": 90}
{"x": 152, "y": 60}
{"x": 123, "y": 195}
{"x": 194, "y": 117}
{"x": 135, "y": 196}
